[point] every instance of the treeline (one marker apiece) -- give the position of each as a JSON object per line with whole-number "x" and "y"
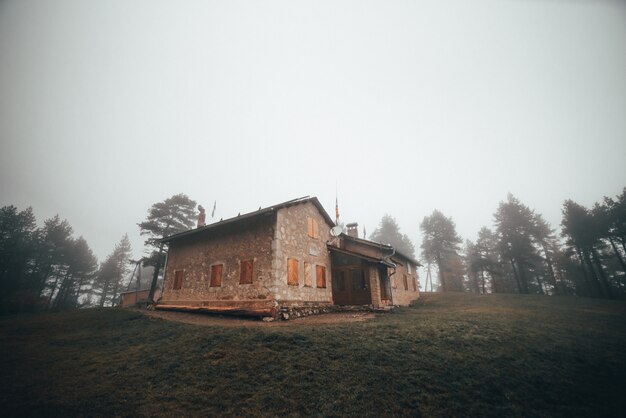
{"x": 522, "y": 253}
{"x": 48, "y": 268}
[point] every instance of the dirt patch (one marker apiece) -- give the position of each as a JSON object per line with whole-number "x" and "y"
{"x": 230, "y": 321}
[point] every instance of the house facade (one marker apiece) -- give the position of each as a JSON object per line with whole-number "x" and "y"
{"x": 282, "y": 256}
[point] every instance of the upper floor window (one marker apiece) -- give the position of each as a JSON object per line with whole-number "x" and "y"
{"x": 312, "y": 228}
{"x": 405, "y": 282}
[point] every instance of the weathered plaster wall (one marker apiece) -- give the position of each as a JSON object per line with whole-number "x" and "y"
{"x": 291, "y": 240}
{"x": 196, "y": 256}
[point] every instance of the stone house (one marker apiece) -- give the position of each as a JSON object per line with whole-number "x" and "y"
{"x": 282, "y": 257}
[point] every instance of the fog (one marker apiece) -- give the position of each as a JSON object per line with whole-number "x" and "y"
{"x": 395, "y": 107}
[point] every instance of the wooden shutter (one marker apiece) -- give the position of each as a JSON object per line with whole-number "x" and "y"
{"x": 245, "y": 276}
{"x": 216, "y": 275}
{"x": 312, "y": 229}
{"x": 321, "y": 276}
{"x": 292, "y": 271}
{"x": 404, "y": 281}
{"x": 178, "y": 279}
{"x": 308, "y": 281}
{"x": 414, "y": 280}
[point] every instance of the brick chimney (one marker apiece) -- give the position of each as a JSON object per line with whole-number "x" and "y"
{"x": 353, "y": 229}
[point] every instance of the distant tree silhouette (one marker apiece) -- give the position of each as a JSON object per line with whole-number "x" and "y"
{"x": 440, "y": 243}
{"x": 388, "y": 232}
{"x": 514, "y": 227}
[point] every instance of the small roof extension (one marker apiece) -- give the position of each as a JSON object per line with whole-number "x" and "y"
{"x": 378, "y": 245}
{"x": 250, "y": 215}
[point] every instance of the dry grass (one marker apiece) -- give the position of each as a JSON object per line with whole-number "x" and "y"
{"x": 450, "y": 355}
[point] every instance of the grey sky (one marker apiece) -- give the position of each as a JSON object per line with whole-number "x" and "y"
{"x": 109, "y": 106}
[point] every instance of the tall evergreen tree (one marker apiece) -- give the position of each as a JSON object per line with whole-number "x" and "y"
{"x": 82, "y": 265}
{"x": 113, "y": 272}
{"x": 388, "y": 232}
{"x": 173, "y": 215}
{"x": 581, "y": 230}
{"x": 440, "y": 243}
{"x": 514, "y": 227}
{"x": 18, "y": 240}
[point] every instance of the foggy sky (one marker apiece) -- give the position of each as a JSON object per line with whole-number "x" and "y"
{"x": 109, "y": 106}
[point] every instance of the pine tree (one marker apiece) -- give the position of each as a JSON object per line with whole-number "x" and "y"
{"x": 440, "y": 243}
{"x": 173, "y": 215}
{"x": 388, "y": 232}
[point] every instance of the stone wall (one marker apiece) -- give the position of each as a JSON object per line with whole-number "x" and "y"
{"x": 196, "y": 255}
{"x": 292, "y": 240}
{"x": 375, "y": 286}
{"x": 401, "y": 296}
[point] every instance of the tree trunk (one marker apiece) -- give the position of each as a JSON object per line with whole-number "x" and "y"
{"x": 519, "y": 287}
{"x": 105, "y": 289}
{"x": 590, "y": 287}
{"x": 155, "y": 276}
{"x": 603, "y": 278}
{"x": 79, "y": 286}
{"x": 482, "y": 276}
{"x": 594, "y": 275}
{"x": 63, "y": 290}
{"x": 54, "y": 288}
{"x": 549, "y": 264}
{"x": 619, "y": 256}
{"x": 540, "y": 283}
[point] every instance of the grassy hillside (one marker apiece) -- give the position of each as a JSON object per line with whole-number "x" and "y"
{"x": 459, "y": 355}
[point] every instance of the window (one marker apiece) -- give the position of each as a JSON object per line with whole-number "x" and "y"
{"x": 292, "y": 271}
{"x": 216, "y": 275}
{"x": 405, "y": 282}
{"x": 307, "y": 274}
{"x": 178, "y": 279}
{"x": 245, "y": 276}
{"x": 312, "y": 228}
{"x": 320, "y": 273}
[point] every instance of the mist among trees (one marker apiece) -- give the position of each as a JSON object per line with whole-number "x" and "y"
{"x": 48, "y": 267}
{"x": 522, "y": 253}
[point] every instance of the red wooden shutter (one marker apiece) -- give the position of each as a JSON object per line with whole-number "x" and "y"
{"x": 307, "y": 274}
{"x": 245, "y": 276}
{"x": 292, "y": 271}
{"x": 321, "y": 276}
{"x": 406, "y": 284}
{"x": 216, "y": 275}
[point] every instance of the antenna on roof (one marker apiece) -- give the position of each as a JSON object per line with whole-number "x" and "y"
{"x": 336, "y": 205}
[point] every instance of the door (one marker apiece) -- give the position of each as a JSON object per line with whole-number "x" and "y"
{"x": 351, "y": 286}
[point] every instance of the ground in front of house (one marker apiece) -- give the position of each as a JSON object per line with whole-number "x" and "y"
{"x": 449, "y": 355}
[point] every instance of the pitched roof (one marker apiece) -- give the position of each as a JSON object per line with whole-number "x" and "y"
{"x": 252, "y": 215}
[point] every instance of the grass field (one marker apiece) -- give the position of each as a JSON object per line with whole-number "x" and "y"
{"x": 449, "y": 355}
